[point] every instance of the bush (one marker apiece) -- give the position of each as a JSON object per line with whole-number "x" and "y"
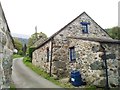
{"x": 27, "y": 59}
{"x": 20, "y": 52}
{"x": 31, "y": 50}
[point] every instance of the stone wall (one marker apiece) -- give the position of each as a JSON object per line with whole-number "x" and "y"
{"x": 91, "y": 65}
{"x": 40, "y": 57}
{"x": 60, "y": 57}
{"x": 113, "y": 62}
{"x": 6, "y": 51}
{"x": 88, "y": 60}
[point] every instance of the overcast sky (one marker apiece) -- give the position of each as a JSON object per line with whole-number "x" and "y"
{"x": 52, "y": 15}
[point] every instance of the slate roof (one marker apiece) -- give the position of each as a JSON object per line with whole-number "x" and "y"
{"x": 6, "y": 24}
{"x": 101, "y": 40}
{"x": 4, "y": 17}
{"x": 50, "y": 38}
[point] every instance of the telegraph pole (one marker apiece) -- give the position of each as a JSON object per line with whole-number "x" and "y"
{"x": 36, "y": 33}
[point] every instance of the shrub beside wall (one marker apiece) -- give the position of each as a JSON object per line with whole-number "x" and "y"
{"x": 31, "y": 50}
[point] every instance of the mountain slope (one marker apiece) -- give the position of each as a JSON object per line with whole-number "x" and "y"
{"x": 20, "y": 35}
{"x": 23, "y": 40}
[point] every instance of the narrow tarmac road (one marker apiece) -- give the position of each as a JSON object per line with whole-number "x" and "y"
{"x": 23, "y": 77}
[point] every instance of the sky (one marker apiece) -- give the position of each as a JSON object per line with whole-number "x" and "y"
{"x": 51, "y": 15}
{"x": 119, "y": 13}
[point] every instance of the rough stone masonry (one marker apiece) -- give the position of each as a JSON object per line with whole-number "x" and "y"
{"x": 6, "y": 51}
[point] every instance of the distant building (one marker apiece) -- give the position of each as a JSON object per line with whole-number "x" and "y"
{"x": 81, "y": 45}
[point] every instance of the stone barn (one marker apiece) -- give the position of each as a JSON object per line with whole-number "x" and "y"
{"x": 82, "y": 45}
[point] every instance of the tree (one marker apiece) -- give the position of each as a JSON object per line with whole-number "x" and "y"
{"x": 18, "y": 45}
{"x": 24, "y": 48}
{"x": 114, "y": 32}
{"x": 35, "y": 37}
{"x": 35, "y": 40}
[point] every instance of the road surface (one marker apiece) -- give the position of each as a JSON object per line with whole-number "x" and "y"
{"x": 23, "y": 77}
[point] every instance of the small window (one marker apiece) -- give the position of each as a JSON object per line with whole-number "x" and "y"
{"x": 72, "y": 54}
{"x": 47, "y": 54}
{"x": 85, "y": 27}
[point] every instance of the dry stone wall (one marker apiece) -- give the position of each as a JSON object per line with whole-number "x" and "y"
{"x": 40, "y": 57}
{"x": 6, "y": 51}
{"x": 60, "y": 58}
{"x": 113, "y": 62}
{"x": 90, "y": 63}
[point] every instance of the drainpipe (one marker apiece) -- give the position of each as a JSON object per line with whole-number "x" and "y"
{"x": 106, "y": 67}
{"x": 51, "y": 57}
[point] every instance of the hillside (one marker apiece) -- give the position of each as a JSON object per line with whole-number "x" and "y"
{"x": 114, "y": 32}
{"x": 23, "y": 40}
{"x": 20, "y": 35}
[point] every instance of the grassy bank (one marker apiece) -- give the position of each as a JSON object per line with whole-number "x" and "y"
{"x": 16, "y": 56}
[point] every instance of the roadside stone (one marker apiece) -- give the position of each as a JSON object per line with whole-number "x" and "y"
{"x": 100, "y": 82}
{"x": 64, "y": 80}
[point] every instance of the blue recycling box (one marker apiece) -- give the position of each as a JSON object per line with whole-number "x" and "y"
{"x": 76, "y": 79}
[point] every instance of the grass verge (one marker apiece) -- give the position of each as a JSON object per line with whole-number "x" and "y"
{"x": 16, "y": 56}
{"x": 12, "y": 86}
